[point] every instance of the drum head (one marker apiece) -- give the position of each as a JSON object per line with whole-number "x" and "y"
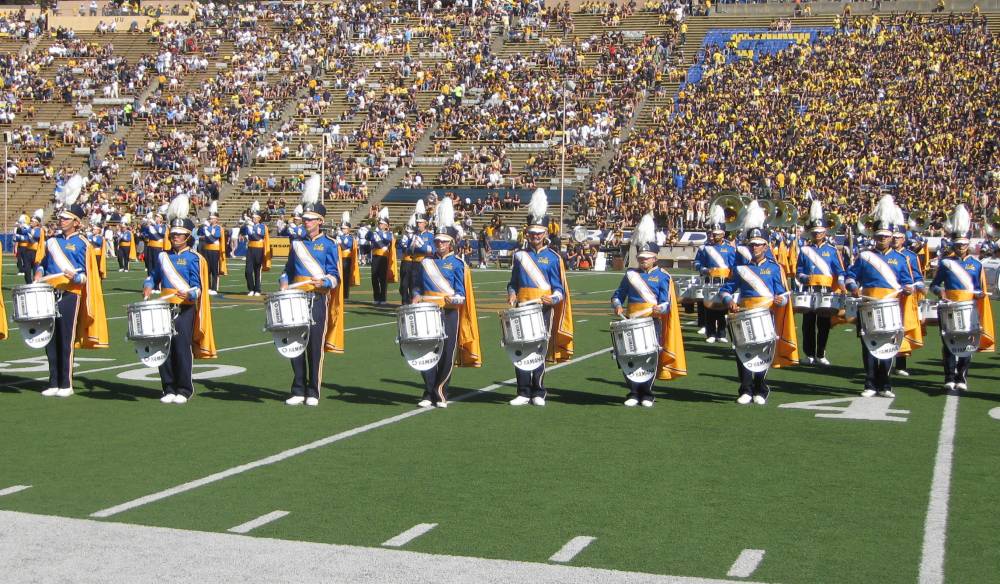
{"x": 291, "y": 342}
{"x": 422, "y": 355}
{"x": 153, "y": 352}
{"x": 883, "y": 345}
{"x": 960, "y": 345}
{"x": 756, "y": 358}
{"x": 639, "y": 369}
{"x": 527, "y": 356}
{"x": 37, "y": 333}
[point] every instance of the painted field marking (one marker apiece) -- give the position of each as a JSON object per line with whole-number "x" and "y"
{"x": 746, "y": 564}
{"x": 936, "y": 524}
{"x": 255, "y": 523}
{"x": 14, "y": 489}
{"x": 409, "y": 535}
{"x": 995, "y": 413}
{"x": 572, "y": 548}
{"x": 286, "y": 454}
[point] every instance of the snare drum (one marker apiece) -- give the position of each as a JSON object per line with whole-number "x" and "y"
{"x": 804, "y": 302}
{"x": 827, "y": 303}
{"x": 420, "y": 322}
{"x": 851, "y": 306}
{"x": 523, "y": 325}
{"x": 287, "y": 309}
{"x": 33, "y": 302}
{"x": 958, "y": 318}
{"x": 751, "y": 327}
{"x": 150, "y": 319}
{"x": 881, "y": 316}
{"x": 928, "y": 310}
{"x": 634, "y": 337}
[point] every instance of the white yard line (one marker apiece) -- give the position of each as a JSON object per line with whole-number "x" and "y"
{"x": 291, "y": 452}
{"x": 936, "y": 524}
{"x": 223, "y": 307}
{"x": 255, "y": 523}
{"x": 572, "y": 548}
{"x": 409, "y": 535}
{"x": 14, "y": 489}
{"x": 746, "y": 564}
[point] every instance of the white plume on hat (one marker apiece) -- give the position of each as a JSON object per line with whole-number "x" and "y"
{"x": 310, "y": 194}
{"x": 70, "y": 191}
{"x": 421, "y": 208}
{"x": 885, "y": 209}
{"x": 754, "y": 216}
{"x": 383, "y": 215}
{"x": 960, "y": 221}
{"x": 645, "y": 231}
{"x": 126, "y": 218}
{"x": 413, "y": 220}
{"x": 255, "y": 207}
{"x": 178, "y": 208}
{"x": 444, "y": 215}
{"x": 815, "y": 211}
{"x": 95, "y": 218}
{"x": 298, "y": 210}
{"x": 539, "y": 204}
{"x": 345, "y": 217}
{"x": 38, "y": 214}
{"x": 716, "y": 214}
{"x": 163, "y": 209}
{"x": 213, "y": 208}
{"x": 897, "y": 216}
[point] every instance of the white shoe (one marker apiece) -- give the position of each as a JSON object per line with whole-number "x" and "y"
{"x": 295, "y": 400}
{"x": 722, "y": 340}
{"x": 168, "y": 399}
{"x": 961, "y": 386}
{"x": 425, "y": 403}
{"x": 701, "y": 331}
{"x": 744, "y": 399}
{"x": 903, "y": 372}
{"x": 212, "y": 292}
{"x": 647, "y": 403}
{"x": 808, "y": 360}
{"x": 950, "y": 386}
{"x": 887, "y": 393}
{"x": 520, "y": 401}
{"x": 65, "y": 392}
{"x": 156, "y": 292}
{"x": 631, "y": 402}
{"x": 710, "y": 340}
{"x": 826, "y": 362}
{"x": 441, "y": 404}
{"x": 759, "y": 400}
{"x": 538, "y": 401}
{"x": 180, "y": 399}
{"x": 312, "y": 401}
{"x": 868, "y": 393}
{"x": 50, "y": 391}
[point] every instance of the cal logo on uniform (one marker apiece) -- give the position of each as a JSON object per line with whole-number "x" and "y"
{"x": 654, "y": 279}
{"x": 318, "y": 247}
{"x": 826, "y": 254}
{"x": 543, "y": 261}
{"x": 765, "y": 272}
{"x": 71, "y": 247}
{"x": 182, "y": 262}
{"x": 448, "y": 267}
{"x": 894, "y": 262}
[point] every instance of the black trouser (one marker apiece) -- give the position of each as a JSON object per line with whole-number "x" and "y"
{"x": 701, "y": 314}
{"x": 530, "y": 383}
{"x": 715, "y": 323}
{"x": 212, "y": 257}
{"x": 644, "y": 390}
{"x": 28, "y": 256}
{"x": 816, "y": 331}
{"x": 60, "y": 349}
{"x": 380, "y": 273}
{"x": 900, "y": 362}
{"x": 437, "y": 379}
{"x": 956, "y": 369}
{"x": 255, "y": 263}
{"x": 175, "y": 373}
{"x": 877, "y": 370}
{"x": 149, "y": 257}
{"x": 347, "y": 275}
{"x": 416, "y": 279}
{"x": 123, "y": 254}
{"x": 405, "y": 291}
{"x": 752, "y": 383}
{"x": 307, "y": 368}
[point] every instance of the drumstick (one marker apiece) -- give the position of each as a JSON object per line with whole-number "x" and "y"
{"x": 529, "y": 302}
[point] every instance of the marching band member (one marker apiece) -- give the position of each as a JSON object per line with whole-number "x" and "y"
{"x": 715, "y": 260}
{"x": 213, "y": 240}
{"x": 293, "y": 229}
{"x": 314, "y": 266}
{"x": 34, "y": 245}
{"x": 446, "y": 281}
{"x": 154, "y": 234}
{"x": 181, "y": 274}
{"x": 648, "y": 290}
{"x": 879, "y": 273}
{"x": 3, "y": 308}
{"x": 406, "y": 263}
{"x": 21, "y": 243}
{"x": 538, "y": 275}
{"x": 258, "y": 249}
{"x": 69, "y": 264}
{"x": 126, "y": 243}
{"x": 818, "y": 266}
{"x": 914, "y": 334}
{"x": 96, "y": 239}
{"x": 960, "y": 277}
{"x": 384, "y": 270}
{"x": 421, "y": 246}
{"x": 349, "y": 255}
{"x": 761, "y": 283}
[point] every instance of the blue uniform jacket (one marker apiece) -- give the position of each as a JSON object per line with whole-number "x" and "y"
{"x": 656, "y": 279}
{"x": 327, "y": 255}
{"x": 873, "y": 269}
{"x": 188, "y": 265}
{"x": 452, "y": 271}
{"x": 741, "y": 280}
{"x": 548, "y": 263}
{"x": 75, "y": 248}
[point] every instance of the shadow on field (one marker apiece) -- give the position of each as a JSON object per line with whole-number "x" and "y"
{"x": 680, "y": 394}
{"x": 114, "y": 390}
{"x": 237, "y": 392}
{"x": 368, "y": 395}
{"x": 16, "y": 384}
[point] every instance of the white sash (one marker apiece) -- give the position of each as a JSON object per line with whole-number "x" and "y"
{"x": 534, "y": 272}
{"x": 307, "y": 260}
{"x": 750, "y": 277}
{"x": 716, "y": 257}
{"x": 642, "y": 287}
{"x": 817, "y": 260}
{"x": 59, "y": 256}
{"x": 884, "y": 269}
{"x": 171, "y": 274}
{"x": 434, "y": 273}
{"x": 745, "y": 253}
{"x": 964, "y": 278}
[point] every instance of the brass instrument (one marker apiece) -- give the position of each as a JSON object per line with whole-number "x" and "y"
{"x": 919, "y": 221}
{"x": 865, "y": 223}
{"x": 733, "y": 207}
{"x": 785, "y": 215}
{"x": 993, "y": 224}
{"x": 836, "y": 222}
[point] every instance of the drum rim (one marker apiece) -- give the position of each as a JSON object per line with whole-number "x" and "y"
{"x": 34, "y": 286}
{"x": 526, "y": 309}
{"x": 631, "y": 323}
{"x": 150, "y": 302}
{"x": 287, "y": 292}
{"x": 748, "y": 312}
{"x": 417, "y": 307}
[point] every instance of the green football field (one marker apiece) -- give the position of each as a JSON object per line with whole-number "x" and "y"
{"x": 819, "y": 485}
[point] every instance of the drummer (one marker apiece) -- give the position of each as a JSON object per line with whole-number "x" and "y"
{"x": 446, "y": 281}
{"x": 715, "y": 259}
{"x": 406, "y": 261}
{"x": 421, "y": 245}
{"x": 314, "y": 267}
{"x": 349, "y": 255}
{"x": 33, "y": 245}
{"x": 876, "y": 274}
{"x": 125, "y": 249}
{"x": 213, "y": 239}
{"x": 761, "y": 284}
{"x": 649, "y": 291}
{"x": 258, "y": 240}
{"x": 960, "y": 277}
{"x": 69, "y": 265}
{"x": 384, "y": 269}
{"x": 538, "y": 275}
{"x": 818, "y": 266}
{"x": 914, "y": 335}
{"x": 181, "y": 274}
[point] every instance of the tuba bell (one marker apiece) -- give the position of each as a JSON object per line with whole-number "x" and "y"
{"x": 919, "y": 221}
{"x": 836, "y": 222}
{"x": 733, "y": 206}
